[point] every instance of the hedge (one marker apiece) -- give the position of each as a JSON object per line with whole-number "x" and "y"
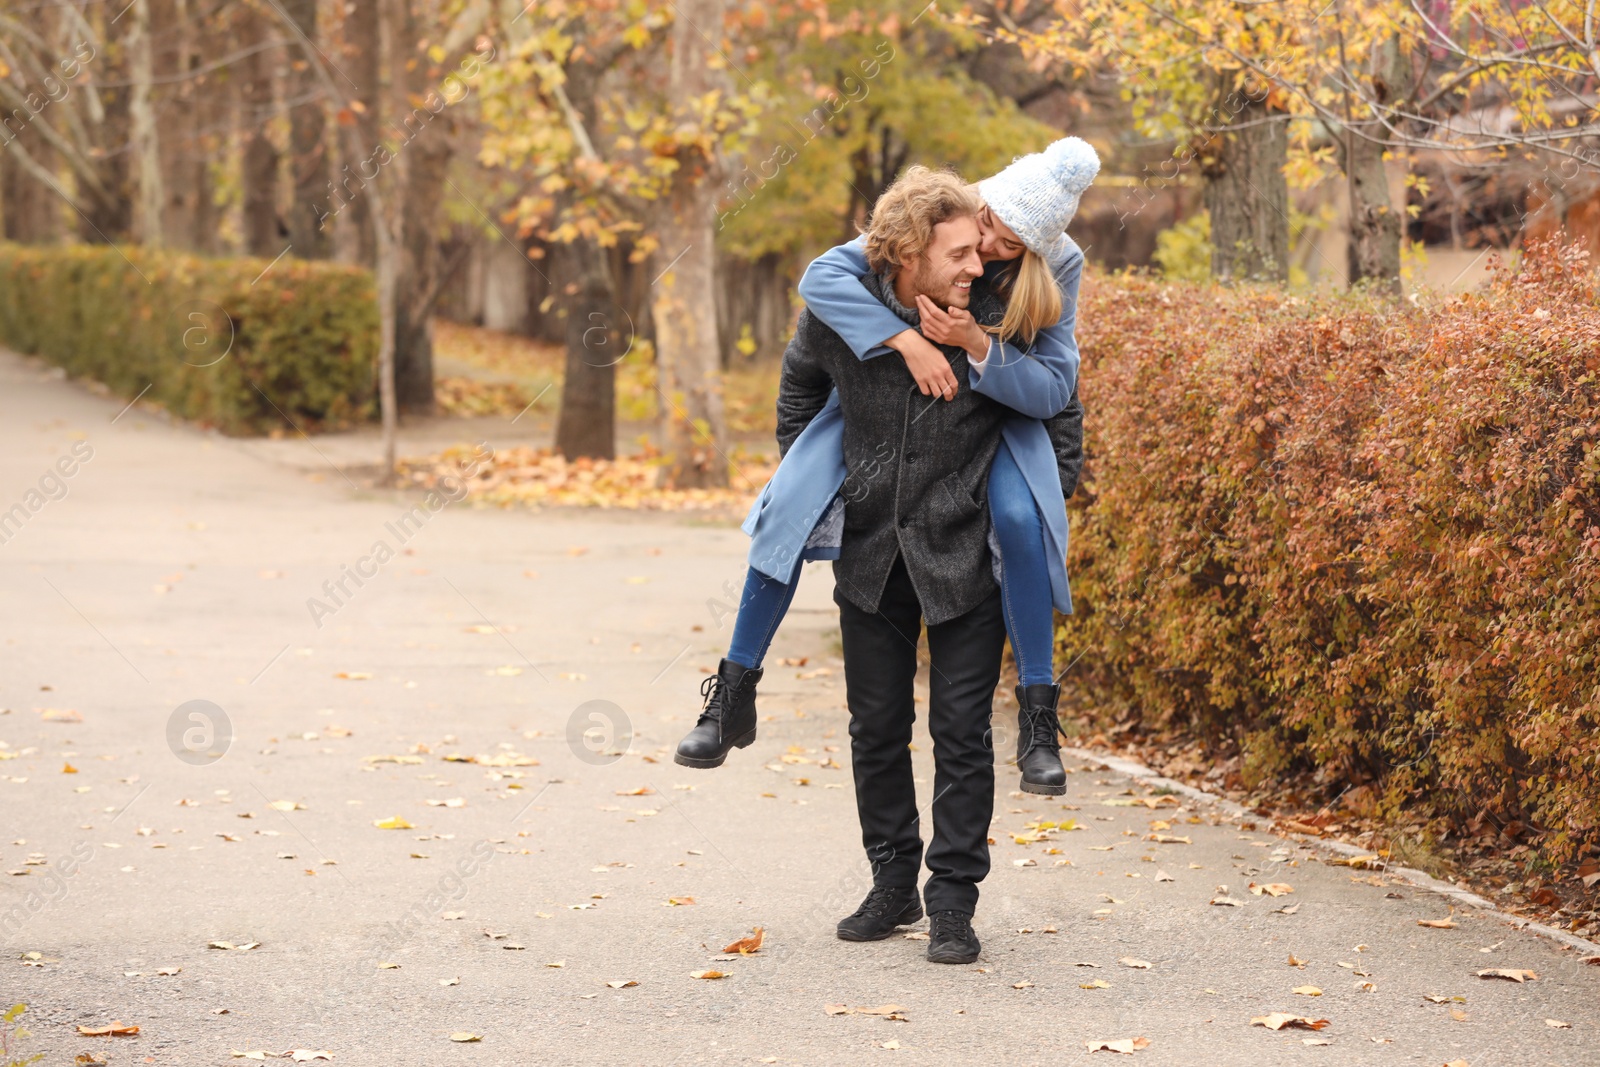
{"x": 1354, "y": 543}
{"x": 227, "y": 343}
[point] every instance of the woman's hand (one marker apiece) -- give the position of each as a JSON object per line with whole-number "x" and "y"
{"x": 953, "y": 327}
{"x": 929, "y": 366}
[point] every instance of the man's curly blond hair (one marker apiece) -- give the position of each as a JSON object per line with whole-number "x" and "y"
{"x": 904, "y": 218}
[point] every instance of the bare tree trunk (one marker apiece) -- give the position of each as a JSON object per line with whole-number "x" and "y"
{"x": 210, "y": 111}
{"x": 106, "y": 217}
{"x": 180, "y": 125}
{"x": 424, "y": 161}
{"x": 260, "y": 171}
{"x": 418, "y": 281}
{"x": 385, "y": 242}
{"x": 385, "y": 214}
{"x": 29, "y": 210}
{"x": 683, "y": 300}
{"x": 1247, "y": 193}
{"x": 149, "y": 197}
{"x": 596, "y": 341}
{"x": 308, "y": 155}
{"x": 1375, "y": 223}
{"x": 362, "y": 56}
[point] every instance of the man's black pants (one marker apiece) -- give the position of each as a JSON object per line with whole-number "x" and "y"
{"x": 880, "y": 663}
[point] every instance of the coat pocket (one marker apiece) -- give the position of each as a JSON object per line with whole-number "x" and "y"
{"x": 958, "y": 499}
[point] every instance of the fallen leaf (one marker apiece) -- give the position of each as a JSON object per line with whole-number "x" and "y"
{"x": 707, "y": 974}
{"x": 1271, "y": 889}
{"x": 1227, "y": 902}
{"x": 387, "y": 966}
{"x": 1315, "y": 1041}
{"x": 1296, "y": 961}
{"x": 286, "y": 805}
{"x": 679, "y": 901}
{"x": 1307, "y": 991}
{"x": 464, "y": 1036}
{"x": 1557, "y": 1024}
{"x": 1025, "y": 984}
{"x": 836, "y": 1009}
{"x": 354, "y": 676}
{"x": 449, "y": 981}
{"x": 1098, "y": 983}
{"x": 884, "y": 1010}
{"x": 1289, "y": 910}
{"x": 1515, "y": 974}
{"x": 622, "y": 985}
{"x": 305, "y": 1055}
{"x": 67, "y": 768}
{"x": 393, "y": 822}
{"x": 1127, "y": 1045}
{"x": 1164, "y": 839}
{"x": 1280, "y": 1019}
{"x": 1163, "y": 876}
{"x": 746, "y": 945}
{"x": 1437, "y": 924}
{"x": 1138, "y": 965}
{"x": 117, "y": 1028}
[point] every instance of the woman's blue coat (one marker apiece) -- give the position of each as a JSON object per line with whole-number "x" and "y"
{"x": 1037, "y": 383}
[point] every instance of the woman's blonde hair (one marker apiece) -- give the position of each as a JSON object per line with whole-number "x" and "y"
{"x": 905, "y": 215}
{"x": 1033, "y": 299}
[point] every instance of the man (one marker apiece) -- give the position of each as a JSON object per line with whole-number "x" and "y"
{"x": 914, "y": 549}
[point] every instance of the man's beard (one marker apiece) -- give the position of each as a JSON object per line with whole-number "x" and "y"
{"x": 932, "y": 283}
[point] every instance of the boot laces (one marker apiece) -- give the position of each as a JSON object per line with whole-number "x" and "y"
{"x": 1041, "y": 726}
{"x": 715, "y": 692}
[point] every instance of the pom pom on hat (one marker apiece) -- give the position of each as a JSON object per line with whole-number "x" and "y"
{"x": 1038, "y": 194}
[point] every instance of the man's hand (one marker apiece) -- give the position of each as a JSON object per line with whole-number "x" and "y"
{"x": 927, "y": 364}
{"x": 953, "y": 327}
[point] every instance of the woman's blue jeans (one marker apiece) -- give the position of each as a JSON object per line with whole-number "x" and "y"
{"x": 1024, "y": 589}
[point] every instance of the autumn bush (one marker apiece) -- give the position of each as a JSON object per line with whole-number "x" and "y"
{"x": 1351, "y": 540}
{"x": 239, "y": 344}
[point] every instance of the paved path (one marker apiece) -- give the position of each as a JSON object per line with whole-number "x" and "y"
{"x": 178, "y": 567}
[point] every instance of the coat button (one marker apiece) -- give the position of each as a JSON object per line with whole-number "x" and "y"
{"x": 911, "y": 457}
{"x": 904, "y": 522}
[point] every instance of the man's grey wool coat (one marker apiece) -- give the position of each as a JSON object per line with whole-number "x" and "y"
{"x": 918, "y": 465}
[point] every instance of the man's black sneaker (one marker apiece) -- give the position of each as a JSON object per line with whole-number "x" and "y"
{"x": 728, "y": 719}
{"x": 1038, "y": 741}
{"x": 950, "y": 938}
{"x": 886, "y": 907}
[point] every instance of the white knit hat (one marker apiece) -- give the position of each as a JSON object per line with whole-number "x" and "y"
{"x": 1037, "y": 195}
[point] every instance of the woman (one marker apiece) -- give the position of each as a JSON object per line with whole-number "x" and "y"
{"x": 799, "y": 515}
